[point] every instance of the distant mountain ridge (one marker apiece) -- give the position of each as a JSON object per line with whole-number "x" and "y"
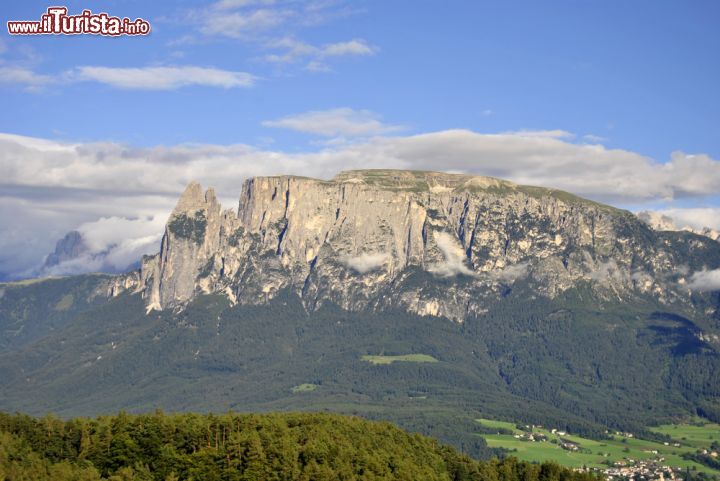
{"x": 69, "y": 247}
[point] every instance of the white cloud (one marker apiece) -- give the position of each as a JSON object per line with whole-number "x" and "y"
{"x": 696, "y": 218}
{"x": 550, "y": 134}
{"x": 697, "y": 172}
{"x": 247, "y": 19}
{"x": 23, "y": 76}
{"x": 272, "y": 26}
{"x": 366, "y": 262}
{"x": 595, "y": 171}
{"x": 317, "y": 66}
{"x": 161, "y": 78}
{"x": 71, "y": 267}
{"x": 47, "y": 214}
{"x": 352, "y": 47}
{"x": 609, "y": 271}
{"x": 114, "y": 245}
{"x": 17, "y": 67}
{"x": 589, "y": 170}
{"x": 293, "y": 50}
{"x": 56, "y": 186}
{"x": 334, "y": 122}
{"x": 705, "y": 281}
{"x": 243, "y": 24}
{"x": 233, "y": 4}
{"x": 700, "y": 220}
{"x": 454, "y": 257}
{"x": 108, "y": 232}
{"x": 132, "y": 78}
{"x": 596, "y": 139}
{"x": 290, "y": 50}
{"x": 513, "y": 272}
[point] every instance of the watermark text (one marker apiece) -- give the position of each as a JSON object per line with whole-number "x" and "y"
{"x": 56, "y": 21}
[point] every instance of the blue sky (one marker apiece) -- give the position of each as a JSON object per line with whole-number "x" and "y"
{"x": 613, "y": 100}
{"x": 641, "y": 74}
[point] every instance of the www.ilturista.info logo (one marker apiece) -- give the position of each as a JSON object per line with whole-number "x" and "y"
{"x": 57, "y": 22}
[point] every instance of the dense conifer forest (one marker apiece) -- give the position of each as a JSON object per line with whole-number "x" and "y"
{"x": 240, "y": 447}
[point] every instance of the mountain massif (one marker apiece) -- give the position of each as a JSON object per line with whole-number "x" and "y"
{"x": 381, "y": 239}
{"x": 425, "y": 298}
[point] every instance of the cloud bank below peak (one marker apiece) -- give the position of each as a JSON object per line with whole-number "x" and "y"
{"x": 705, "y": 281}
{"x": 56, "y": 186}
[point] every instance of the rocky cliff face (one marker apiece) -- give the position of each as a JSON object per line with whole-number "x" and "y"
{"x": 431, "y": 243}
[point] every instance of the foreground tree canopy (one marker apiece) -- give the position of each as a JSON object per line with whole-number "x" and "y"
{"x": 240, "y": 447}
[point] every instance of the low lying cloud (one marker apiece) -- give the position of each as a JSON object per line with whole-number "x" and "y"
{"x": 123, "y": 240}
{"x": 36, "y": 217}
{"x": 452, "y": 251}
{"x": 335, "y": 122}
{"x": 513, "y": 272}
{"x": 705, "y": 280}
{"x": 111, "y": 244}
{"x": 641, "y": 277}
{"x": 609, "y": 271}
{"x": 683, "y": 218}
{"x": 366, "y": 262}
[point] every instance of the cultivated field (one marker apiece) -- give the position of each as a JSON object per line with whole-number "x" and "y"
{"x": 600, "y": 454}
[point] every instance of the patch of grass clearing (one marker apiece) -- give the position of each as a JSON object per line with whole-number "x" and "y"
{"x": 305, "y": 387}
{"x": 403, "y": 358}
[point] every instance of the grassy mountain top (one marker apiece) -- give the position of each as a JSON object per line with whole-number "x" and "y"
{"x": 419, "y": 180}
{"x": 428, "y": 181}
{"x": 240, "y": 447}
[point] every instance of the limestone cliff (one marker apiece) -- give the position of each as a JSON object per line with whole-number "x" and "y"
{"x": 431, "y": 243}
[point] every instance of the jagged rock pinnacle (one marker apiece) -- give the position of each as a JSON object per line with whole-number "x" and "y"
{"x": 191, "y": 199}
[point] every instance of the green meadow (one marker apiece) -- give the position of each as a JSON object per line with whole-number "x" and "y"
{"x": 698, "y": 435}
{"x": 600, "y": 453}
